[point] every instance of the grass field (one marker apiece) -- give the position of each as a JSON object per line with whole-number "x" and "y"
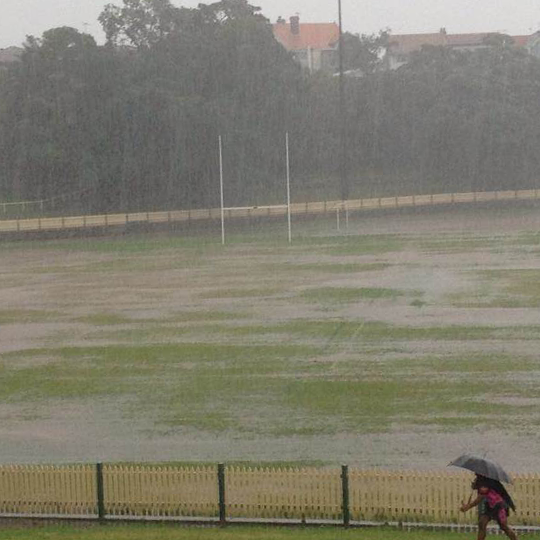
{"x": 398, "y": 343}
{"x": 156, "y": 532}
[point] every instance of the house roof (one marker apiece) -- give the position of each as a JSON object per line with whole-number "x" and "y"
{"x": 408, "y": 43}
{"x": 310, "y": 35}
{"x": 466, "y": 40}
{"x": 10, "y": 55}
{"x": 521, "y": 41}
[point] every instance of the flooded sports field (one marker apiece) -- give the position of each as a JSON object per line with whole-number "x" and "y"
{"x": 398, "y": 342}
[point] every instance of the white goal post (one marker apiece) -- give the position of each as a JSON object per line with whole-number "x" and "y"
{"x": 249, "y": 209}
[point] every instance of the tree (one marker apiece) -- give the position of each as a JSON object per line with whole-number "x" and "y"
{"x": 226, "y": 11}
{"x": 137, "y": 121}
{"x": 140, "y": 23}
{"x": 364, "y": 53}
{"x": 56, "y": 87}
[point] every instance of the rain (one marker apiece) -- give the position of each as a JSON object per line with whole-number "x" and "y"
{"x": 277, "y": 233}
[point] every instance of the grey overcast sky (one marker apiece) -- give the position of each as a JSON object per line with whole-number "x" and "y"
{"x": 19, "y": 18}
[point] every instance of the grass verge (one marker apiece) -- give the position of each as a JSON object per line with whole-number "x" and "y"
{"x": 175, "y": 532}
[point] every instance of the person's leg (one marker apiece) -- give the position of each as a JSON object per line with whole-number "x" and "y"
{"x": 502, "y": 519}
{"x": 508, "y": 531}
{"x": 482, "y": 527}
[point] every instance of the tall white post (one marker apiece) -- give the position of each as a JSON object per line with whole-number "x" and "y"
{"x": 288, "y": 187}
{"x": 221, "y": 191}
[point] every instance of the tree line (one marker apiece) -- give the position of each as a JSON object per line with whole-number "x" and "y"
{"x": 134, "y": 123}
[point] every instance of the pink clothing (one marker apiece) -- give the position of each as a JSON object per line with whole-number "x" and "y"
{"x": 495, "y": 502}
{"x": 491, "y": 496}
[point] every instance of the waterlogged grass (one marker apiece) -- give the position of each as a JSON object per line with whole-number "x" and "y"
{"x": 273, "y": 238}
{"x": 118, "y": 263}
{"x": 20, "y": 316}
{"x": 365, "y": 245}
{"x": 155, "y": 333}
{"x": 277, "y": 363}
{"x": 524, "y": 284}
{"x": 460, "y": 391}
{"x": 242, "y": 293}
{"x": 330, "y": 295}
{"x": 528, "y": 239}
{"x": 373, "y": 406}
{"x": 345, "y": 331}
{"x": 123, "y": 245}
{"x": 465, "y": 244}
{"x": 105, "y": 319}
{"x": 330, "y": 268}
{"x": 276, "y": 389}
{"x": 202, "y": 316}
{"x": 175, "y": 532}
{"x": 505, "y": 288}
{"x": 336, "y": 334}
{"x": 187, "y": 384}
{"x": 143, "y": 262}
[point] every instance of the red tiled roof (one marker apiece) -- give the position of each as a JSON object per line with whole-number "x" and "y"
{"x": 521, "y": 41}
{"x": 407, "y": 43}
{"x": 11, "y": 54}
{"x": 310, "y": 35}
{"x": 466, "y": 40}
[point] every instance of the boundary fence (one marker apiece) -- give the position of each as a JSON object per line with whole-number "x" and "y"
{"x": 297, "y": 209}
{"x": 232, "y": 493}
{"x": 40, "y": 205}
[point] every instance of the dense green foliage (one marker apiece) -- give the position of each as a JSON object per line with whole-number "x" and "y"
{"x": 134, "y": 124}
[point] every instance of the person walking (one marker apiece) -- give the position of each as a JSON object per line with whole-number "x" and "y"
{"x": 493, "y": 502}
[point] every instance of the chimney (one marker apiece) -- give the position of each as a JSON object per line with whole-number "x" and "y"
{"x": 444, "y": 37}
{"x": 295, "y": 25}
{"x": 280, "y": 20}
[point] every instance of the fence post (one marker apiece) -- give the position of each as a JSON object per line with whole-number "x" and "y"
{"x": 345, "y": 491}
{"x": 100, "y": 492}
{"x": 221, "y": 490}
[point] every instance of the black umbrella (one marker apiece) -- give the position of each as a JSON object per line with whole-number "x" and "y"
{"x": 483, "y": 466}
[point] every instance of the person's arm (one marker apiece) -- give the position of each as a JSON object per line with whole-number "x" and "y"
{"x": 471, "y": 503}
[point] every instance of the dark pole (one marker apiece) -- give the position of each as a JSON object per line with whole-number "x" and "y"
{"x": 100, "y": 491}
{"x": 345, "y": 495}
{"x": 221, "y": 494}
{"x": 342, "y": 116}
